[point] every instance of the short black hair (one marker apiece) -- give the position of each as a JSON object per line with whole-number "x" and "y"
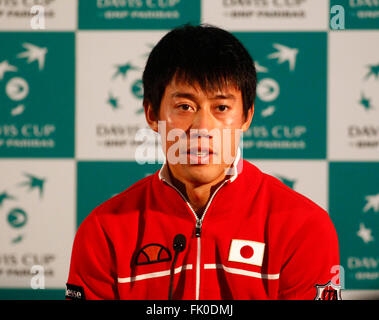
{"x": 203, "y": 54}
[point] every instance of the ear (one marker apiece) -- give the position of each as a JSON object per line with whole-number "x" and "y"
{"x": 150, "y": 116}
{"x": 248, "y": 119}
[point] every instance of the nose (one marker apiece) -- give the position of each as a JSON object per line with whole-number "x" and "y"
{"x": 203, "y": 122}
{"x": 201, "y": 133}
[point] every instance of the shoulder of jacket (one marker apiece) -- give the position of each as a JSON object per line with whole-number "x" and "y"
{"x": 298, "y": 215}
{"x": 291, "y": 204}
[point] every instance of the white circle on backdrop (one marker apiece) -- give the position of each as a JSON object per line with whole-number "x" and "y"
{"x": 268, "y": 89}
{"x": 17, "y": 89}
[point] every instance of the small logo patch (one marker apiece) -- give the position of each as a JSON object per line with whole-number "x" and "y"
{"x": 152, "y": 253}
{"x": 328, "y": 291}
{"x": 74, "y": 292}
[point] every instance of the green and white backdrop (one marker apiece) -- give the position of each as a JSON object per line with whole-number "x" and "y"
{"x": 71, "y": 106}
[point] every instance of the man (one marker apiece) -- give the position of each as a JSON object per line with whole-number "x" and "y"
{"x": 208, "y": 224}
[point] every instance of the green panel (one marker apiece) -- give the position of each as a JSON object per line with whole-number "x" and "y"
{"x": 37, "y": 104}
{"x": 354, "y": 210}
{"x": 30, "y": 294}
{"x": 290, "y": 108}
{"x": 358, "y": 14}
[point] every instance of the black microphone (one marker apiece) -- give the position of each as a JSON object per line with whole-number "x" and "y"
{"x": 179, "y": 244}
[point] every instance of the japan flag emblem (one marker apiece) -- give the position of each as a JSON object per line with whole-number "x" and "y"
{"x": 246, "y": 251}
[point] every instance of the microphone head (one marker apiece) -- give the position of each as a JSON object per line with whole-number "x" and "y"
{"x": 179, "y": 242}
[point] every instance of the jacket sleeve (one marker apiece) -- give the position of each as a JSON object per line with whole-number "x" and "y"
{"x": 312, "y": 259}
{"x": 92, "y": 270}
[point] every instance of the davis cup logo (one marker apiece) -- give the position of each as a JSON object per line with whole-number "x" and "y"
{"x": 127, "y": 74}
{"x": 17, "y": 215}
{"x": 268, "y": 89}
{"x": 371, "y": 206}
{"x": 368, "y": 91}
{"x": 286, "y": 122}
{"x": 36, "y": 227}
{"x": 17, "y": 88}
{"x": 362, "y": 130}
{"x": 37, "y": 94}
{"x": 246, "y": 251}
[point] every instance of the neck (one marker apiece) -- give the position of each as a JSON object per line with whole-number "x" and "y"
{"x": 197, "y": 195}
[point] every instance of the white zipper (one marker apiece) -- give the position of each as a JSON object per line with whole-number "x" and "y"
{"x": 199, "y": 223}
{"x": 197, "y": 292}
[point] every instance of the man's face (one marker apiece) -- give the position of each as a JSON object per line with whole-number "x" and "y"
{"x": 200, "y": 131}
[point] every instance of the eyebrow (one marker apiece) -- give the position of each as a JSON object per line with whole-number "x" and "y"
{"x": 191, "y": 96}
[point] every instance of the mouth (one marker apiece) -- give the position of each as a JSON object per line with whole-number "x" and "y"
{"x": 200, "y": 156}
{"x": 200, "y": 152}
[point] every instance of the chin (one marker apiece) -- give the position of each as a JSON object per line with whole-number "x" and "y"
{"x": 204, "y": 174}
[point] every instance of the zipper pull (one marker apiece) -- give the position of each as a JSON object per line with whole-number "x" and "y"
{"x": 198, "y": 228}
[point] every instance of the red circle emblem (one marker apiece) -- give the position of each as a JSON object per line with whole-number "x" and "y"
{"x": 246, "y": 252}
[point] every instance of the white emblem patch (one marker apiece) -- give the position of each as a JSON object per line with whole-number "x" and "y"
{"x": 246, "y": 251}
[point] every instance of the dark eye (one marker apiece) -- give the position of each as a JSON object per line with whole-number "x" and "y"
{"x": 222, "y": 107}
{"x": 185, "y": 107}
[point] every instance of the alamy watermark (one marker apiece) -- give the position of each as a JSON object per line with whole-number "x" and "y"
{"x": 337, "y": 17}
{"x": 196, "y": 146}
{"x": 37, "y": 22}
{"x": 338, "y": 276}
{"x": 38, "y": 277}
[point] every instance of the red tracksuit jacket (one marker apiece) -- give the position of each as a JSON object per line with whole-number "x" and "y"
{"x": 257, "y": 239}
